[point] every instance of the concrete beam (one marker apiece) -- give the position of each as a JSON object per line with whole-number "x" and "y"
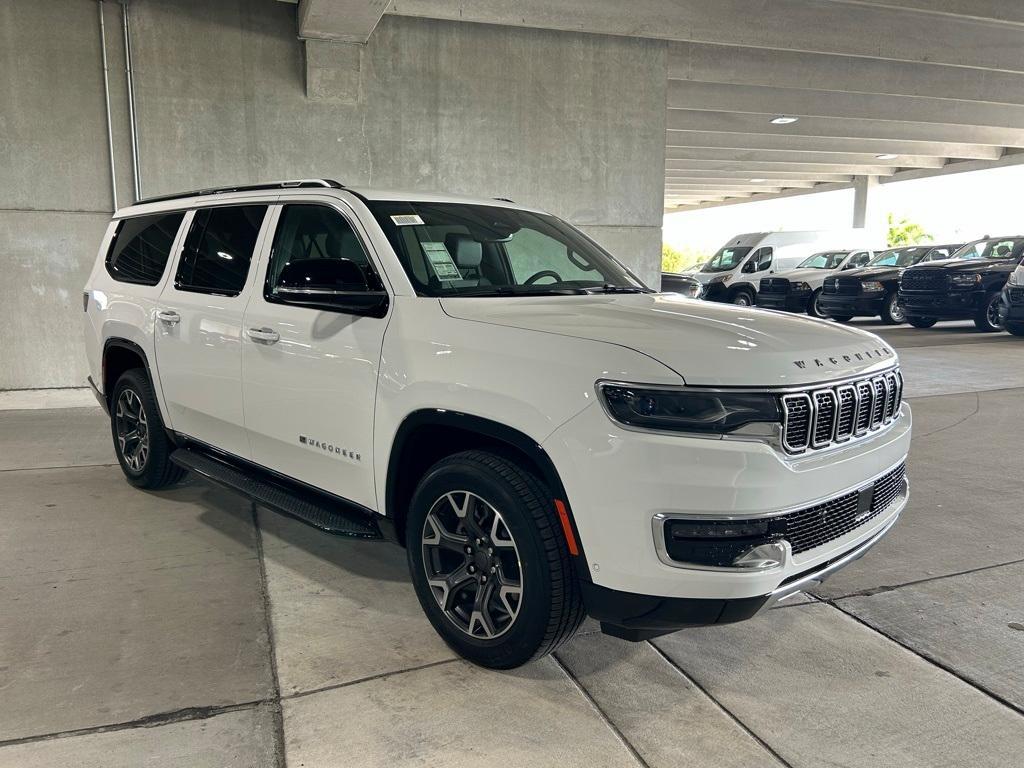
{"x": 745, "y": 175}
{"x": 349, "y": 21}
{"x": 714, "y": 139}
{"x": 676, "y": 182}
{"x": 849, "y": 128}
{"x": 816, "y": 103}
{"x": 699, "y": 191}
{"x": 737, "y": 65}
{"x": 787, "y": 156}
{"x": 756, "y": 169}
{"x": 850, "y": 29}
{"x": 1005, "y": 11}
{"x": 776, "y": 196}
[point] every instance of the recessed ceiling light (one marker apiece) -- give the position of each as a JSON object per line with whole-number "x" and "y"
{"x": 886, "y": 156}
{"x": 783, "y": 120}
{"x": 757, "y": 181}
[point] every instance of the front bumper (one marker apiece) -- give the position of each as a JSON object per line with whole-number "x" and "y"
{"x": 619, "y": 482}
{"x": 952, "y": 305}
{"x": 838, "y": 305}
{"x": 715, "y": 292}
{"x": 1011, "y": 309}
{"x": 641, "y": 617}
{"x": 788, "y": 302}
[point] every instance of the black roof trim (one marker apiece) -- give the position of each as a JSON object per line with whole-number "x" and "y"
{"x": 293, "y": 184}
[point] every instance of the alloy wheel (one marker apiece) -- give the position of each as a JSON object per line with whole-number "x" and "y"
{"x": 472, "y": 565}
{"x": 992, "y": 314}
{"x": 132, "y": 430}
{"x": 896, "y": 311}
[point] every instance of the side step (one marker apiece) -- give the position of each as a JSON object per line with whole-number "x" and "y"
{"x": 319, "y": 510}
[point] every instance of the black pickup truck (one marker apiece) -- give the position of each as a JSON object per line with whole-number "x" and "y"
{"x": 968, "y": 288}
{"x": 1011, "y": 313}
{"x": 872, "y": 290}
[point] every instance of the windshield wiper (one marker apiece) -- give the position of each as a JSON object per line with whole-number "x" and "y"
{"x": 609, "y": 288}
{"x": 507, "y": 290}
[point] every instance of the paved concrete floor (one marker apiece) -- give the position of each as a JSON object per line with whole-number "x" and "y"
{"x": 184, "y": 628}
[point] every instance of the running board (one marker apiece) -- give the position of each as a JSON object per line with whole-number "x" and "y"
{"x": 328, "y": 514}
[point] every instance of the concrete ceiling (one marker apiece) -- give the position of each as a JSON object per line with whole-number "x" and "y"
{"x": 939, "y": 84}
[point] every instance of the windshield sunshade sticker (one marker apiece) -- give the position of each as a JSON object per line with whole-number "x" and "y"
{"x": 407, "y": 220}
{"x": 441, "y": 261}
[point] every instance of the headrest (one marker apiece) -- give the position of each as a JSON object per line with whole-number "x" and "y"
{"x": 466, "y": 251}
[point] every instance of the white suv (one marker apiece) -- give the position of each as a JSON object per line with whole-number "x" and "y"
{"x": 482, "y": 383}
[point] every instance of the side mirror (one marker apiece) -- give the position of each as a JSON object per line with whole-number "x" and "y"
{"x": 750, "y": 266}
{"x": 337, "y": 284}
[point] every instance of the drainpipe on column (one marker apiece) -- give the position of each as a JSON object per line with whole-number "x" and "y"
{"x": 131, "y": 102}
{"x": 106, "y": 97}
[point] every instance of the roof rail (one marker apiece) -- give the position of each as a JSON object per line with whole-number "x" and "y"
{"x": 291, "y": 184}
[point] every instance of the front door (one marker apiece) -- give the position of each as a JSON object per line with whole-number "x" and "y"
{"x": 199, "y": 326}
{"x": 309, "y": 374}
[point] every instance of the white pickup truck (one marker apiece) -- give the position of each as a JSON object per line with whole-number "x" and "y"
{"x": 483, "y": 384}
{"x": 798, "y": 290}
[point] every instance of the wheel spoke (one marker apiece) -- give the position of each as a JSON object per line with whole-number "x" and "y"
{"x": 450, "y": 584}
{"x": 440, "y": 536}
{"x": 500, "y": 536}
{"x": 481, "y": 617}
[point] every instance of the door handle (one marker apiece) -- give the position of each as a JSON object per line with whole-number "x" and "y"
{"x": 264, "y": 335}
{"x": 168, "y": 316}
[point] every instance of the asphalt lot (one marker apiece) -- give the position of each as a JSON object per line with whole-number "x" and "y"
{"x": 185, "y": 628}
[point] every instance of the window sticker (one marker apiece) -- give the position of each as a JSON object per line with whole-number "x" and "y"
{"x": 441, "y": 261}
{"x": 407, "y": 220}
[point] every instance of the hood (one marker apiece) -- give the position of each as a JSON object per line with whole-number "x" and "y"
{"x": 706, "y": 343}
{"x": 969, "y": 265}
{"x": 806, "y": 275}
{"x": 875, "y": 273}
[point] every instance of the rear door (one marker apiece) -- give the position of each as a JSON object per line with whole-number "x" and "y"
{"x": 199, "y": 325}
{"x": 310, "y": 374}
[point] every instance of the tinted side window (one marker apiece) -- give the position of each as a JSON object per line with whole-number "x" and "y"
{"x": 315, "y": 232}
{"x": 141, "y": 247}
{"x": 218, "y": 249}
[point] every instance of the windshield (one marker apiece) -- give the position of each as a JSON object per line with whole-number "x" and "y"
{"x": 829, "y": 260}
{"x": 726, "y": 259}
{"x": 460, "y": 249}
{"x": 899, "y": 257}
{"x": 1007, "y": 248}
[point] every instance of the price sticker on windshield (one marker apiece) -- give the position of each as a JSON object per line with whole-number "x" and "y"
{"x": 441, "y": 261}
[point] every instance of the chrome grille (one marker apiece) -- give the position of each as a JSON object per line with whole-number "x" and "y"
{"x": 811, "y": 527}
{"x": 923, "y": 280}
{"x": 822, "y": 417}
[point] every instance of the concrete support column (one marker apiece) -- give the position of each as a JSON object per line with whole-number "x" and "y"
{"x": 865, "y": 205}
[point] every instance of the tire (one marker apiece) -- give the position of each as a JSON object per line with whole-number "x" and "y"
{"x": 842, "y": 318}
{"x": 743, "y": 298}
{"x": 922, "y": 322}
{"x": 987, "y": 319}
{"x": 892, "y": 312}
{"x": 150, "y": 467}
{"x": 1017, "y": 329}
{"x": 508, "y": 512}
{"x": 812, "y": 306}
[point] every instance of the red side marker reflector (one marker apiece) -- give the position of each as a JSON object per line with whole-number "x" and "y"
{"x": 570, "y": 539}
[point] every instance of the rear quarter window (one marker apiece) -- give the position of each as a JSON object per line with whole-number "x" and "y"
{"x": 142, "y": 246}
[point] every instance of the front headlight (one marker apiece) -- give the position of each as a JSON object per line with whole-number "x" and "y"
{"x": 961, "y": 280}
{"x": 679, "y": 410}
{"x": 872, "y": 286}
{"x": 721, "y": 279}
{"x": 1016, "y": 277}
{"x": 801, "y": 287}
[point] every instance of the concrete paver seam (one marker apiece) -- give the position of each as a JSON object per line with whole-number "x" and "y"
{"x": 893, "y": 587}
{"x": 724, "y": 709}
{"x": 279, "y": 743}
{"x": 928, "y": 659}
{"x": 601, "y": 713}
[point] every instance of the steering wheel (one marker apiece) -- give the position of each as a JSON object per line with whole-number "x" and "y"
{"x": 543, "y": 273}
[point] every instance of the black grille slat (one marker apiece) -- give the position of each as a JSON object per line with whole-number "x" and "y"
{"x": 845, "y": 286}
{"x": 847, "y": 412}
{"x": 821, "y": 417}
{"x": 824, "y": 418}
{"x": 774, "y": 285}
{"x": 814, "y": 526}
{"x": 923, "y": 280}
{"x": 1016, "y": 294}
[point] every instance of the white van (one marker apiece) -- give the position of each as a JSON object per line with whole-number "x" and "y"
{"x": 734, "y": 273}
